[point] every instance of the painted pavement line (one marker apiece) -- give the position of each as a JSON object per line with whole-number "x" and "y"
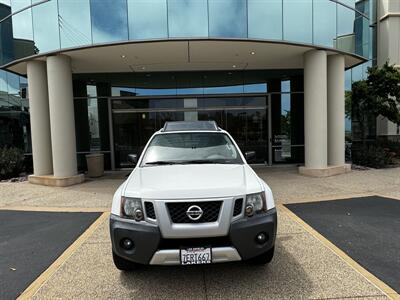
{"x": 330, "y": 198}
{"x": 387, "y": 290}
{"x": 55, "y": 208}
{"x": 31, "y": 290}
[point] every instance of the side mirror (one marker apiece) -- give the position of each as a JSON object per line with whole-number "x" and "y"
{"x": 250, "y": 156}
{"x": 133, "y": 158}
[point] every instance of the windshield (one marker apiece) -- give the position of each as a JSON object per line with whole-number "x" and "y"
{"x": 191, "y": 148}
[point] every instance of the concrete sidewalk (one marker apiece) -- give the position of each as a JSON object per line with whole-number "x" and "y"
{"x": 287, "y": 185}
{"x": 303, "y": 268}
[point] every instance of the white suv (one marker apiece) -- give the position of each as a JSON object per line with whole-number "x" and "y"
{"x": 192, "y": 199}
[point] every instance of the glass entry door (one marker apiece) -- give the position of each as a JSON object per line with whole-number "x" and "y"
{"x": 245, "y": 118}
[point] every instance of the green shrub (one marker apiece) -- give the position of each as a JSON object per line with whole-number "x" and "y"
{"x": 393, "y": 146}
{"x": 11, "y": 162}
{"x": 373, "y": 156}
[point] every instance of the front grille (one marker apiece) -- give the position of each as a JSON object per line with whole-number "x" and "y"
{"x": 177, "y": 211}
{"x": 237, "y": 209}
{"x": 149, "y": 207}
{"x": 212, "y": 242}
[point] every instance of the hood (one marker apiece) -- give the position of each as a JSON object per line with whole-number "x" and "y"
{"x": 192, "y": 181}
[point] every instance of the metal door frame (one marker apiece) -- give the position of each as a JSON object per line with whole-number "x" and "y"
{"x": 111, "y": 120}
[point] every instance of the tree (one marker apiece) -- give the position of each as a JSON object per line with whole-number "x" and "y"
{"x": 378, "y": 95}
{"x": 384, "y": 86}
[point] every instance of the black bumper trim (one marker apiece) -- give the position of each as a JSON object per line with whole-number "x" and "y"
{"x": 145, "y": 236}
{"x": 243, "y": 234}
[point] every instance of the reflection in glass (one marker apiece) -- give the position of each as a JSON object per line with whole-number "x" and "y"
{"x": 13, "y": 83}
{"x": 297, "y": 20}
{"x": 109, "y": 20}
{"x": 265, "y": 19}
{"x": 45, "y": 26}
{"x": 363, "y": 32}
{"x": 189, "y": 83}
{"x": 155, "y": 84}
{"x": 187, "y": 18}
{"x": 22, "y": 22}
{"x": 324, "y": 23}
{"x": 255, "y": 88}
{"x": 74, "y": 21}
{"x": 227, "y": 18}
{"x": 345, "y": 19}
{"x": 223, "y": 82}
{"x": 6, "y": 38}
{"x": 3, "y": 82}
{"x": 147, "y": 19}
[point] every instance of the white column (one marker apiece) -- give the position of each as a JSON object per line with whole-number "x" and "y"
{"x": 39, "y": 118}
{"x": 315, "y": 109}
{"x": 62, "y": 115}
{"x": 336, "y": 116}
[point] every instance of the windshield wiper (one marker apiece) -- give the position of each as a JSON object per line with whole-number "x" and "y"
{"x": 162, "y": 162}
{"x": 201, "y": 161}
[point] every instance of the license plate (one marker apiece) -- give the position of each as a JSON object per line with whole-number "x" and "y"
{"x": 196, "y": 256}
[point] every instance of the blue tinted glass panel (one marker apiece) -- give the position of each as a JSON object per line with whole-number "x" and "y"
{"x": 45, "y": 29}
{"x": 345, "y": 28}
{"x": 13, "y": 83}
{"x": 6, "y": 37}
{"x": 227, "y": 18}
{"x": 255, "y": 88}
{"x": 265, "y": 19}
{"x": 187, "y": 18}
{"x": 324, "y": 23}
{"x": 147, "y": 19}
{"x": 74, "y": 19}
{"x": 285, "y": 86}
{"x": 109, "y": 20}
{"x": 347, "y": 80}
{"x": 363, "y": 33}
{"x": 297, "y": 20}
{"x": 22, "y": 22}
{"x": 345, "y": 18}
{"x": 357, "y": 73}
{"x": 3, "y": 82}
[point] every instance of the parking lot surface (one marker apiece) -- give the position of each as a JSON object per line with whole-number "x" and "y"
{"x": 31, "y": 241}
{"x": 304, "y": 266}
{"x": 366, "y": 228}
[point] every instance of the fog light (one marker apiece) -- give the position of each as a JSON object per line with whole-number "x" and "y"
{"x": 127, "y": 244}
{"x": 261, "y": 238}
{"x": 249, "y": 210}
{"x": 138, "y": 214}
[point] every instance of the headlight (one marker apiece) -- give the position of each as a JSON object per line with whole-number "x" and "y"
{"x": 132, "y": 208}
{"x": 255, "y": 203}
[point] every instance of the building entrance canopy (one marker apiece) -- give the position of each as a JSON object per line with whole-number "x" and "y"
{"x": 189, "y": 55}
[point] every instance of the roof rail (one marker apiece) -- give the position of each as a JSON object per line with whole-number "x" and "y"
{"x": 190, "y": 125}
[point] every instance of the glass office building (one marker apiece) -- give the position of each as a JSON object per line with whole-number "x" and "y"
{"x": 106, "y": 74}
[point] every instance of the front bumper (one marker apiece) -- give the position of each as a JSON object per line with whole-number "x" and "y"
{"x": 241, "y": 241}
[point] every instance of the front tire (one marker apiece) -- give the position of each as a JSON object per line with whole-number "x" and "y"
{"x": 264, "y": 258}
{"x": 124, "y": 264}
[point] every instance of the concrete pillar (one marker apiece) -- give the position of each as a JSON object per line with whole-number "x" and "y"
{"x": 62, "y": 115}
{"x": 336, "y": 115}
{"x": 39, "y": 118}
{"x": 315, "y": 109}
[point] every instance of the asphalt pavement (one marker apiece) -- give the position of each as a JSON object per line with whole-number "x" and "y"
{"x": 365, "y": 228}
{"x": 31, "y": 241}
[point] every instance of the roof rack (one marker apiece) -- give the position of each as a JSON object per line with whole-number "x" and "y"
{"x": 190, "y": 125}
